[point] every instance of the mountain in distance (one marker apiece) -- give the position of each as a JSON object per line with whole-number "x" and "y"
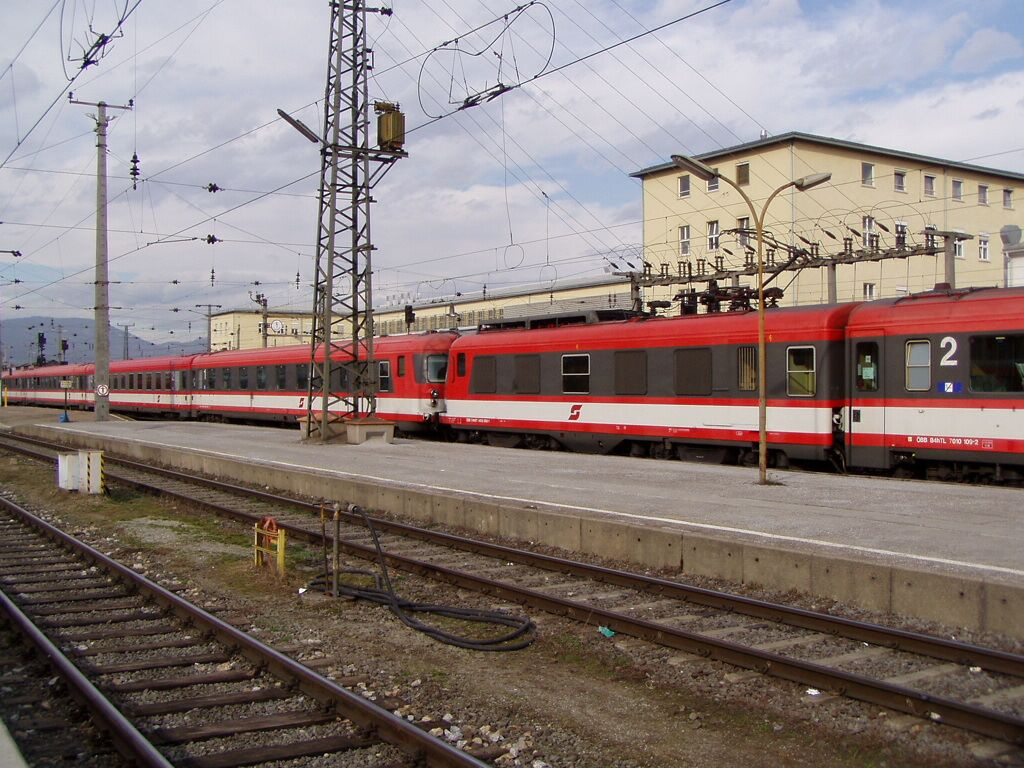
{"x": 19, "y": 339}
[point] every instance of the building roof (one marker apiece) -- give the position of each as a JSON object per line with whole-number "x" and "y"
{"x": 511, "y": 293}
{"x": 784, "y": 138}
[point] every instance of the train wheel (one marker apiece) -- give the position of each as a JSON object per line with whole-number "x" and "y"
{"x": 638, "y": 450}
{"x": 663, "y": 451}
{"x": 504, "y": 440}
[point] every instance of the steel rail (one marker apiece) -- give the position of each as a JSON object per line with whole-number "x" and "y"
{"x": 978, "y": 719}
{"x": 383, "y": 724}
{"x": 131, "y": 744}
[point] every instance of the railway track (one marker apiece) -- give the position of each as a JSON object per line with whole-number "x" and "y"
{"x": 169, "y": 683}
{"x": 962, "y": 685}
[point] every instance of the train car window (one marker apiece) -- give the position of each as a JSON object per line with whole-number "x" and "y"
{"x": 693, "y": 371}
{"x": 460, "y": 364}
{"x": 746, "y": 369}
{"x": 437, "y": 368}
{"x": 243, "y": 377}
{"x": 384, "y": 375}
{"x": 302, "y": 376}
{"x": 527, "y": 375}
{"x": 281, "y": 372}
{"x": 261, "y": 377}
{"x": 168, "y": 380}
{"x": 148, "y": 382}
{"x": 575, "y": 374}
{"x": 485, "y": 375}
{"x": 919, "y": 366}
{"x": 225, "y": 378}
{"x": 631, "y": 372}
{"x": 401, "y": 366}
{"x": 801, "y": 379}
{"x": 867, "y": 367}
{"x": 997, "y": 363}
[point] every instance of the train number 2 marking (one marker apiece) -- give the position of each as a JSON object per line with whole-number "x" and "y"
{"x": 948, "y": 343}
{"x": 574, "y": 412}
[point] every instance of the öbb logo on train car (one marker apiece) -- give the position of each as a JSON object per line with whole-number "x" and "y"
{"x": 574, "y": 412}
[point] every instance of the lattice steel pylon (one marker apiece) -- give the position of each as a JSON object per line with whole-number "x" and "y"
{"x": 344, "y": 385}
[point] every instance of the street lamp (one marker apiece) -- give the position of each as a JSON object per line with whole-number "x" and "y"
{"x": 707, "y": 173}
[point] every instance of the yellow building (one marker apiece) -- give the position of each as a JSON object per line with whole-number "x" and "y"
{"x": 244, "y": 329}
{"x": 877, "y": 198}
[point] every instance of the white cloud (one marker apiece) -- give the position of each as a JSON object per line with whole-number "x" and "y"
{"x": 986, "y": 48}
{"x": 862, "y": 70}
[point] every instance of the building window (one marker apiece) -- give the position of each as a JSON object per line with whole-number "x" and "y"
{"x": 983, "y": 194}
{"x": 867, "y": 235}
{"x": 743, "y": 174}
{"x": 869, "y": 292}
{"x": 867, "y": 174}
{"x": 713, "y": 183}
{"x": 800, "y": 373}
{"x": 1007, "y": 198}
{"x": 743, "y": 223}
{"x": 919, "y": 366}
{"x": 958, "y": 189}
{"x": 684, "y": 240}
{"x": 929, "y": 185}
{"x": 684, "y": 186}
{"x": 899, "y": 181}
{"x": 713, "y": 235}
{"x": 983, "y": 247}
{"x": 958, "y": 247}
{"x": 576, "y": 374}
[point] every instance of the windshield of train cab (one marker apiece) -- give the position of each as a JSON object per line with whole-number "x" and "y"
{"x": 435, "y": 368}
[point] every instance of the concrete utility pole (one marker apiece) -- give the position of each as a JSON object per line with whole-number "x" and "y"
{"x": 102, "y": 308}
{"x": 261, "y": 299}
{"x": 208, "y": 314}
{"x": 124, "y": 330}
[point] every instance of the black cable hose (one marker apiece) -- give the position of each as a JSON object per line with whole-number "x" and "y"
{"x": 522, "y": 635}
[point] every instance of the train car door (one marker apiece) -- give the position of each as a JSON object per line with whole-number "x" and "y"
{"x": 865, "y": 417}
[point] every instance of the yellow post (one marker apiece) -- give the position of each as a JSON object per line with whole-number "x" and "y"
{"x": 269, "y": 540}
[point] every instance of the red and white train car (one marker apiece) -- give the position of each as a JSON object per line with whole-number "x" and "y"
{"x": 660, "y": 386}
{"x": 936, "y": 380}
{"x": 253, "y": 385}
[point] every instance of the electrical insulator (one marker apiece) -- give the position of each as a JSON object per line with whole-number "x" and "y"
{"x": 211, "y": 187}
{"x": 134, "y": 172}
{"x": 296, "y": 281}
{"x": 211, "y": 276}
{"x": 211, "y": 239}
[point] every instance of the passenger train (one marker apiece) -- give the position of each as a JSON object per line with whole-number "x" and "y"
{"x": 930, "y": 384}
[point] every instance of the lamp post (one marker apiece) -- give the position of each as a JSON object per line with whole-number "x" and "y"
{"x": 706, "y": 173}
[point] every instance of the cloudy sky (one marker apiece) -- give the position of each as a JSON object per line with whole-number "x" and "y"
{"x": 532, "y": 186}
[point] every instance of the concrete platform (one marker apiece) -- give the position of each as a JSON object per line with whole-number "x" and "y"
{"x": 949, "y": 553}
